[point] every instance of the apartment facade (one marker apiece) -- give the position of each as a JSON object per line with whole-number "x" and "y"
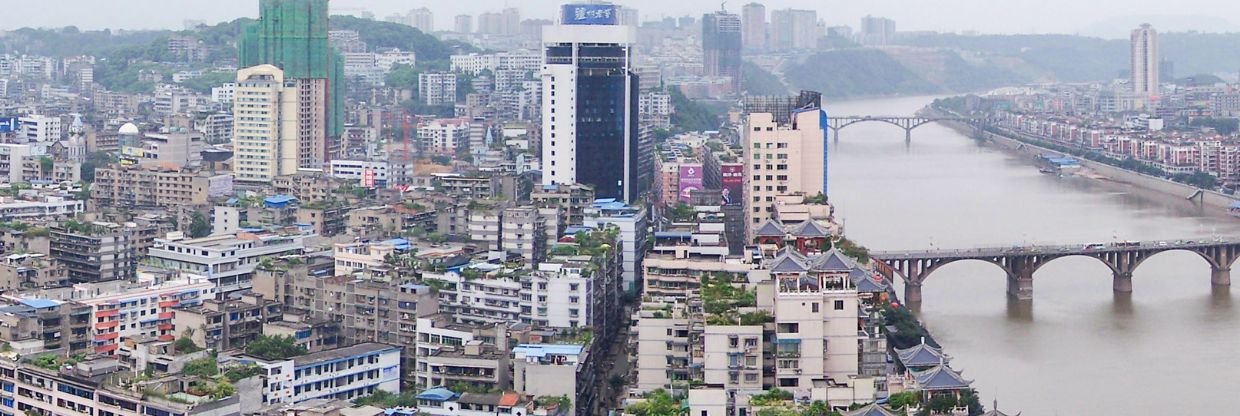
{"x": 228, "y": 260}
{"x": 96, "y": 252}
{"x": 149, "y": 186}
{"x": 785, "y": 153}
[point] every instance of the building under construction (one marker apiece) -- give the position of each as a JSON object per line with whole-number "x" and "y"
{"x": 292, "y": 35}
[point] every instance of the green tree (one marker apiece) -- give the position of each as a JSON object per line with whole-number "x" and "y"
{"x": 202, "y": 367}
{"x": 902, "y": 400}
{"x": 198, "y": 226}
{"x": 658, "y": 403}
{"x": 403, "y": 76}
{"x": 681, "y": 212}
{"x": 690, "y": 115}
{"x": 277, "y": 347}
{"x": 942, "y": 403}
{"x": 185, "y": 345}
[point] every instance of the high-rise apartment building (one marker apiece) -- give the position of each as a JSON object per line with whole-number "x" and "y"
{"x": 721, "y": 46}
{"x": 267, "y": 124}
{"x": 463, "y": 23}
{"x": 793, "y": 29}
{"x": 754, "y": 26}
{"x": 292, "y": 35}
{"x": 422, "y": 19}
{"x": 1145, "y": 61}
{"x": 876, "y": 30}
{"x": 437, "y": 88}
{"x": 785, "y": 151}
{"x": 590, "y": 133}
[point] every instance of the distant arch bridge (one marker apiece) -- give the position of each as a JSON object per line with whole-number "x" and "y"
{"x": 908, "y": 123}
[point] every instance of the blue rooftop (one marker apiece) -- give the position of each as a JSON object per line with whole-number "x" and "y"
{"x": 39, "y": 303}
{"x": 543, "y": 350}
{"x": 278, "y": 201}
{"x": 438, "y": 394}
{"x": 400, "y": 243}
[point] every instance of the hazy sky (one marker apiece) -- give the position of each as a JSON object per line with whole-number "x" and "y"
{"x": 985, "y": 16}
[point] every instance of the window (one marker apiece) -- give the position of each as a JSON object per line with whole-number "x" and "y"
{"x": 814, "y": 307}
{"x": 839, "y": 305}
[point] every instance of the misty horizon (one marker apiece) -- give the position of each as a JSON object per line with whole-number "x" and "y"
{"x": 1011, "y": 17}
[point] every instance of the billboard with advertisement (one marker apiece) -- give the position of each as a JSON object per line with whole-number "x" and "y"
{"x": 732, "y": 182}
{"x": 368, "y": 178}
{"x": 589, "y": 14}
{"x": 9, "y": 124}
{"x": 690, "y": 180}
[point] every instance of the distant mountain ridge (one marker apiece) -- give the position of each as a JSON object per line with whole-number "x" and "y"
{"x": 936, "y": 63}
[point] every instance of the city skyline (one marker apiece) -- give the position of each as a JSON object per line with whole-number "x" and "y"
{"x": 1012, "y": 17}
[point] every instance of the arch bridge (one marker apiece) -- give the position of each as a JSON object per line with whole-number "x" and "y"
{"x": 913, "y": 267}
{"x": 908, "y": 123}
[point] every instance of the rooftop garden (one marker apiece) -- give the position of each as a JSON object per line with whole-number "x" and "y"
{"x": 658, "y": 403}
{"x": 277, "y": 347}
{"x": 387, "y": 400}
{"x": 54, "y": 362}
{"x": 720, "y": 296}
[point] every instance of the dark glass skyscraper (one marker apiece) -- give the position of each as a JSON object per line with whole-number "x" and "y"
{"x": 590, "y": 131}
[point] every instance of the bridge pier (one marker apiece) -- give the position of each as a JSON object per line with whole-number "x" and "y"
{"x": 912, "y": 292}
{"x": 1122, "y": 282}
{"x": 908, "y": 135}
{"x": 1020, "y": 287}
{"x": 1220, "y": 276}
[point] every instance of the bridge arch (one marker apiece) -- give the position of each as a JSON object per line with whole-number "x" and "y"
{"x": 1209, "y": 258}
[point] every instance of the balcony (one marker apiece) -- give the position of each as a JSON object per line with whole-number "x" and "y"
{"x": 107, "y": 337}
{"x": 107, "y": 325}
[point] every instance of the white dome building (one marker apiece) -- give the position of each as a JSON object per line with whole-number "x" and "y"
{"x": 129, "y": 129}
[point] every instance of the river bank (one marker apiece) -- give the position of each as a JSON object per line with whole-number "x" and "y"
{"x": 1212, "y": 202}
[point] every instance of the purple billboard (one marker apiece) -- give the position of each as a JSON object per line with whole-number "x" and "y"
{"x": 732, "y": 182}
{"x": 690, "y": 181}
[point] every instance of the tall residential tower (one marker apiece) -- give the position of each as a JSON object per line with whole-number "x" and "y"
{"x": 785, "y": 146}
{"x": 590, "y": 95}
{"x": 754, "y": 35}
{"x": 1145, "y": 61}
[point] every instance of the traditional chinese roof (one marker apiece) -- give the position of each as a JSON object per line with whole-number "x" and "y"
{"x": 940, "y": 378}
{"x": 994, "y": 411}
{"x": 789, "y": 261}
{"x": 866, "y": 283}
{"x": 833, "y": 261}
{"x": 810, "y": 229}
{"x": 921, "y": 355}
{"x": 873, "y": 409}
{"x": 770, "y": 228}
